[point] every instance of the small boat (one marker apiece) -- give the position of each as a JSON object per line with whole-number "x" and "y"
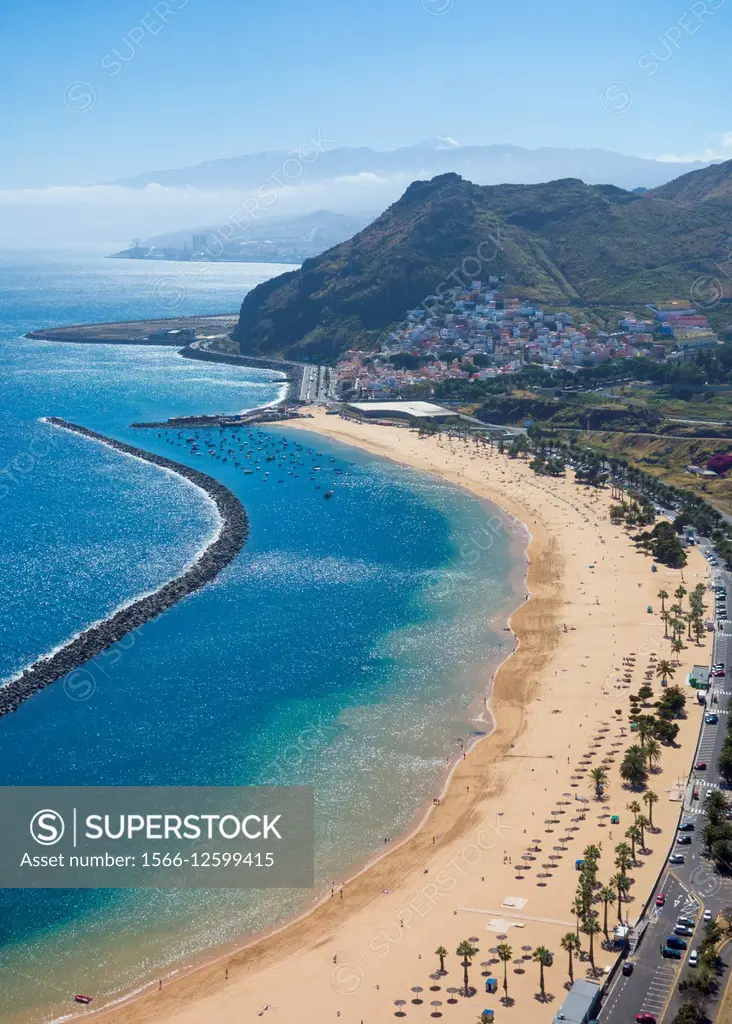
{"x": 328, "y": 494}
{"x": 84, "y": 1000}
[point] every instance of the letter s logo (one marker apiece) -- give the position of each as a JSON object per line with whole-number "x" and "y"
{"x": 47, "y": 827}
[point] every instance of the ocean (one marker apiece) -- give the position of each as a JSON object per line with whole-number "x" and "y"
{"x": 348, "y": 646}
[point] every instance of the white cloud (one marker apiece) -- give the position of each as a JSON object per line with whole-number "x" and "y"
{"x": 721, "y": 151}
{"x": 83, "y": 215}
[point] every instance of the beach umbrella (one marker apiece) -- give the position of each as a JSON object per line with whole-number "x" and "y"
{"x": 453, "y": 992}
{"x": 473, "y": 938}
{"x": 527, "y": 949}
{"x": 400, "y": 1003}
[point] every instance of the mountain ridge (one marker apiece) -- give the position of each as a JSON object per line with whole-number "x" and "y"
{"x": 490, "y": 164}
{"x": 561, "y": 241}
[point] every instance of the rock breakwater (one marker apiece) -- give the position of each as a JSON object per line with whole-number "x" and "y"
{"x": 97, "y": 638}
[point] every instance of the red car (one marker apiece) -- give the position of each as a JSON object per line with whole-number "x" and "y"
{"x": 660, "y": 900}
{"x": 645, "y": 1018}
{"x": 700, "y": 766}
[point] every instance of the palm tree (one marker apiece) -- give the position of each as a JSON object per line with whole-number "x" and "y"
{"x": 607, "y": 895}
{"x": 665, "y": 669}
{"x": 466, "y": 951}
{"x": 677, "y": 648}
{"x": 715, "y": 805}
{"x": 570, "y": 944}
{"x": 650, "y": 798}
{"x": 644, "y": 729}
{"x": 544, "y": 958}
{"x": 653, "y": 753}
{"x": 642, "y": 823}
{"x": 662, "y": 595}
{"x": 621, "y": 882}
{"x": 633, "y": 769}
{"x": 591, "y": 853}
{"x": 680, "y": 593}
{"x": 623, "y": 858}
{"x": 442, "y": 953}
{"x": 591, "y": 928}
{"x": 635, "y": 808}
{"x": 578, "y": 909}
{"x": 623, "y": 885}
{"x": 633, "y": 833}
{"x": 598, "y": 777}
{"x": 505, "y": 953}
{"x": 666, "y": 616}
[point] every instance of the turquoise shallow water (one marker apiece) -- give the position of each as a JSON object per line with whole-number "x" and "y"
{"x": 347, "y": 647}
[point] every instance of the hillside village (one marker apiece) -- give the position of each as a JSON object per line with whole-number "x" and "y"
{"x": 481, "y": 334}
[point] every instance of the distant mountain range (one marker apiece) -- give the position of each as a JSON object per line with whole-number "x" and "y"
{"x": 561, "y": 242}
{"x": 314, "y": 162}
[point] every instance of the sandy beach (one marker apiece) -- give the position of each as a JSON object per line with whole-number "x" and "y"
{"x": 586, "y": 641}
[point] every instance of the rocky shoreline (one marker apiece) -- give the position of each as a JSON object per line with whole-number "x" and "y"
{"x": 219, "y": 553}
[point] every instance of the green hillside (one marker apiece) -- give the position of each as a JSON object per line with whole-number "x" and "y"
{"x": 561, "y": 242}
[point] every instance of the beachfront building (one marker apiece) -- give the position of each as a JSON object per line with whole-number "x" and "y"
{"x": 413, "y": 412}
{"x": 581, "y": 1005}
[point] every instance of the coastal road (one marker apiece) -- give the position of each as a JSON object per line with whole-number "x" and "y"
{"x": 690, "y": 888}
{"x": 316, "y": 384}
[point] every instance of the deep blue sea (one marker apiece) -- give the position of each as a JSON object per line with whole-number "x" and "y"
{"x": 349, "y": 646}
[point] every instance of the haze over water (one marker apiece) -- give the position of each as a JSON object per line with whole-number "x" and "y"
{"x": 347, "y": 647}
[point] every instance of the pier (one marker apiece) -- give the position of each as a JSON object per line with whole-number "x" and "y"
{"x": 92, "y": 641}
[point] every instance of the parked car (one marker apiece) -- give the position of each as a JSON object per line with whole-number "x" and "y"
{"x": 671, "y": 954}
{"x": 674, "y": 942}
{"x": 683, "y": 840}
{"x": 718, "y": 672}
{"x": 628, "y": 966}
{"x": 707, "y": 915}
{"x": 711, "y": 719}
{"x": 688, "y": 921}
{"x": 682, "y": 929}
{"x": 677, "y": 858}
{"x": 700, "y": 766}
{"x": 645, "y": 1018}
{"x": 693, "y": 958}
{"x": 660, "y": 900}
{"x": 687, "y": 826}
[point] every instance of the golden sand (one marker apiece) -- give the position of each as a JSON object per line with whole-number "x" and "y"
{"x": 554, "y": 703}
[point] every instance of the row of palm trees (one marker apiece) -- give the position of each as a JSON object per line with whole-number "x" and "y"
{"x": 467, "y": 951}
{"x": 677, "y": 620}
{"x": 591, "y": 892}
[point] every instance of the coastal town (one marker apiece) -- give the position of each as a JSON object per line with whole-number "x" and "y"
{"x": 480, "y": 333}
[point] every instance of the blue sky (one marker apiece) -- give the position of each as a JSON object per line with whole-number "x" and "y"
{"x": 214, "y": 78}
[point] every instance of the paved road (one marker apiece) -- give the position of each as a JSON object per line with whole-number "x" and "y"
{"x": 690, "y": 888}
{"x": 316, "y": 386}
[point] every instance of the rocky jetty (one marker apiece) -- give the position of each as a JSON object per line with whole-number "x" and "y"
{"x": 222, "y": 550}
